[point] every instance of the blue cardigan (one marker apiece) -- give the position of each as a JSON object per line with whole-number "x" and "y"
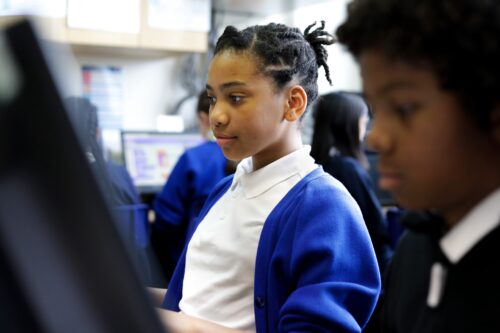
{"x": 357, "y": 181}
{"x": 316, "y": 269}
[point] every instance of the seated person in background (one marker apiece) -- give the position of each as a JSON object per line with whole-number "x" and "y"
{"x": 431, "y": 72}
{"x": 114, "y": 179}
{"x": 116, "y": 185}
{"x": 339, "y": 128}
{"x": 196, "y": 173}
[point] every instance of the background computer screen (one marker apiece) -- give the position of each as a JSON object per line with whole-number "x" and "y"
{"x": 150, "y": 156}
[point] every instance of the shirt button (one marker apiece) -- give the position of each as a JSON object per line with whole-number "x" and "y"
{"x": 259, "y": 302}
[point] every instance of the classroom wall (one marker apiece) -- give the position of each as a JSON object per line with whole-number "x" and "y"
{"x": 344, "y": 71}
{"x": 150, "y": 87}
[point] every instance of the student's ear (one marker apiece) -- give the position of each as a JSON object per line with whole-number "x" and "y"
{"x": 296, "y": 103}
{"x": 203, "y": 118}
{"x": 203, "y": 123}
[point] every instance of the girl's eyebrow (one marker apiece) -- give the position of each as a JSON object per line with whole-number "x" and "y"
{"x": 397, "y": 85}
{"x": 228, "y": 85}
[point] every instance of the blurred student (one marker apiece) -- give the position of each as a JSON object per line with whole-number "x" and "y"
{"x": 431, "y": 71}
{"x": 281, "y": 246}
{"x": 339, "y": 128}
{"x": 116, "y": 185}
{"x": 115, "y": 181}
{"x": 196, "y": 173}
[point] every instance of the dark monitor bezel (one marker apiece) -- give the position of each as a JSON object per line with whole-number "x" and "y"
{"x": 66, "y": 268}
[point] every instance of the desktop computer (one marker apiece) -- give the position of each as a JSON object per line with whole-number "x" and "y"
{"x": 151, "y": 156}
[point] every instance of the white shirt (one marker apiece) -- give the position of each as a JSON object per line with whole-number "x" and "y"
{"x": 482, "y": 219}
{"x": 473, "y": 227}
{"x": 220, "y": 262}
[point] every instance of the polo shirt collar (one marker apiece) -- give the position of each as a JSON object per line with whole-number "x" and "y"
{"x": 480, "y": 221}
{"x": 254, "y": 183}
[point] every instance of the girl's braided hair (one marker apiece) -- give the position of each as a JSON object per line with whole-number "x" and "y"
{"x": 285, "y": 54}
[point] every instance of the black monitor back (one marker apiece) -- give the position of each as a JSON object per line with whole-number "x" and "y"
{"x": 63, "y": 267}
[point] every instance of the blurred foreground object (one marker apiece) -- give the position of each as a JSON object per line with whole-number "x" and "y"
{"x": 63, "y": 267}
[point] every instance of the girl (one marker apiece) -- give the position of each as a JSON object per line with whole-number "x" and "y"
{"x": 340, "y": 121}
{"x": 281, "y": 246}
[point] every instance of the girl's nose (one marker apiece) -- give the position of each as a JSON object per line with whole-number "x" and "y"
{"x": 378, "y": 139}
{"x": 218, "y": 117}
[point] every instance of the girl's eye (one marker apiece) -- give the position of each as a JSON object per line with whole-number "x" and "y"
{"x": 236, "y": 99}
{"x": 406, "y": 110}
{"x": 211, "y": 100}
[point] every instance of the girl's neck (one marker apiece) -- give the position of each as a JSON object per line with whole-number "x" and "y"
{"x": 261, "y": 160}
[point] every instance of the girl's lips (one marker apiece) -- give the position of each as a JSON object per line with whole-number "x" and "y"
{"x": 389, "y": 181}
{"x": 224, "y": 140}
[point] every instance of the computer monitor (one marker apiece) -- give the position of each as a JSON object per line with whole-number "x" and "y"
{"x": 63, "y": 266}
{"x": 151, "y": 156}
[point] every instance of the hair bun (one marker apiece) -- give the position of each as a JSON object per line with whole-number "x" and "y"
{"x": 317, "y": 38}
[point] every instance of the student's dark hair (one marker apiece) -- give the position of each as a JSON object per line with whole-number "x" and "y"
{"x": 336, "y": 124}
{"x": 83, "y": 115}
{"x": 458, "y": 40}
{"x": 285, "y": 53}
{"x": 203, "y": 105}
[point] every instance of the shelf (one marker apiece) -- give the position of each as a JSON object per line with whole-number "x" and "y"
{"x": 148, "y": 42}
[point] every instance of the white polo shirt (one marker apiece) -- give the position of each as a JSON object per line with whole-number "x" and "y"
{"x": 473, "y": 227}
{"x": 457, "y": 242}
{"x": 220, "y": 262}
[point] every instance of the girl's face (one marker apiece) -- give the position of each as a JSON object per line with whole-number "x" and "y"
{"x": 432, "y": 155}
{"x": 247, "y": 113}
{"x": 363, "y": 122}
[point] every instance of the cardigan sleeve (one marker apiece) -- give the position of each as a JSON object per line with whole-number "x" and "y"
{"x": 332, "y": 265}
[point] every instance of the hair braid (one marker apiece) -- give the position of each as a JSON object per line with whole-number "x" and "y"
{"x": 317, "y": 39}
{"x": 284, "y": 54}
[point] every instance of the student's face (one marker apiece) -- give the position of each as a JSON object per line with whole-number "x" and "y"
{"x": 430, "y": 150}
{"x": 247, "y": 112}
{"x": 363, "y": 122}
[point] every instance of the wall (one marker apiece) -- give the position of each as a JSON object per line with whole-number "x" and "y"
{"x": 343, "y": 69}
{"x": 151, "y": 86}
{"x": 148, "y": 87}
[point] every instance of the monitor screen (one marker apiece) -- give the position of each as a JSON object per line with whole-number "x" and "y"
{"x": 151, "y": 156}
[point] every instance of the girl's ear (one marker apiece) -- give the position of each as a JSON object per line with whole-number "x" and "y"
{"x": 296, "y": 103}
